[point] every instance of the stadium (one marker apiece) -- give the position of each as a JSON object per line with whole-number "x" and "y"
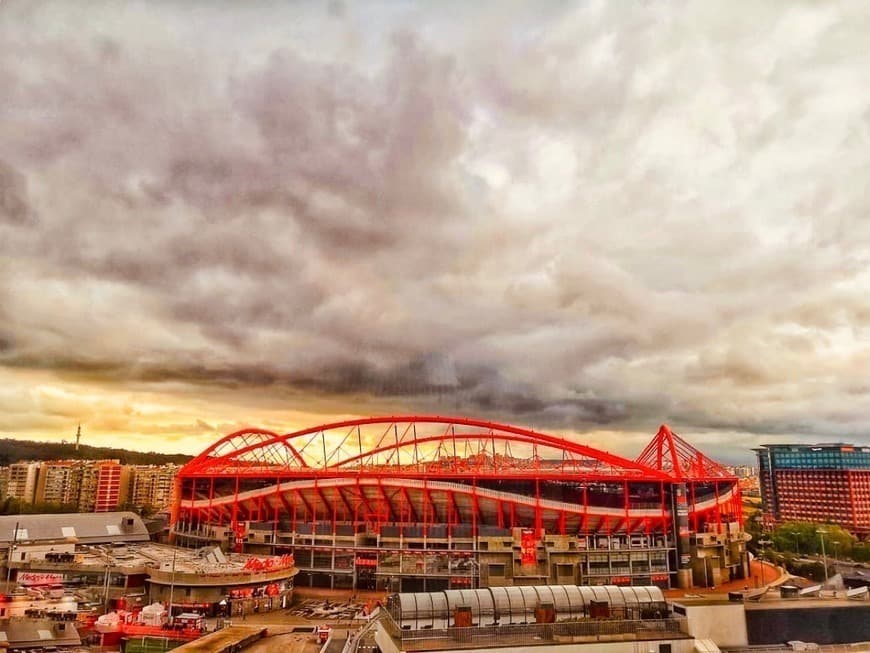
{"x": 425, "y": 503}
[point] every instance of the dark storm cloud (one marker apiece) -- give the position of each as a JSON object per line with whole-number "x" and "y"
{"x": 606, "y": 215}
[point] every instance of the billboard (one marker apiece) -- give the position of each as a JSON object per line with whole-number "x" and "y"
{"x": 35, "y": 579}
{"x": 528, "y": 546}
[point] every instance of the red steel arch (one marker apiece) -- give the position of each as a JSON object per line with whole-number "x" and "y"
{"x": 455, "y": 471}
{"x": 250, "y": 439}
{"x": 252, "y": 452}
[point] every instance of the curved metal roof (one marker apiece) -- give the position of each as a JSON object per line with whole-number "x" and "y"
{"x": 516, "y": 604}
{"x": 83, "y": 528}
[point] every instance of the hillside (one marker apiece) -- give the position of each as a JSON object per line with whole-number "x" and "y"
{"x": 12, "y": 451}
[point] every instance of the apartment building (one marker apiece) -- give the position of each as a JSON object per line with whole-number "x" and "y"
{"x": 54, "y": 484}
{"x": 90, "y": 485}
{"x": 152, "y": 485}
{"x": 22, "y": 481}
{"x": 4, "y": 482}
{"x": 112, "y": 485}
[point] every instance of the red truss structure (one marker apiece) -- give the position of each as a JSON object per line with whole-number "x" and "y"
{"x": 450, "y": 473}
{"x": 669, "y": 453}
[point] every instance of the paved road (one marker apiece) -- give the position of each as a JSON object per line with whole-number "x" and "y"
{"x": 223, "y": 639}
{"x": 762, "y": 574}
{"x": 285, "y": 643}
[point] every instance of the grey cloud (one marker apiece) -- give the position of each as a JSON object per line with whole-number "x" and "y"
{"x": 14, "y": 206}
{"x": 605, "y": 215}
{"x": 6, "y": 342}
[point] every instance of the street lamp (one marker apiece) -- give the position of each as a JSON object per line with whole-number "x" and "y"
{"x": 797, "y": 542}
{"x": 172, "y": 583}
{"x": 9, "y": 553}
{"x": 764, "y": 544}
{"x": 106, "y": 583}
{"x": 822, "y": 532}
{"x": 475, "y": 573}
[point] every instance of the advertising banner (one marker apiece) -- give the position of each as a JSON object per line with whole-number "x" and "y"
{"x": 528, "y": 546}
{"x": 34, "y": 579}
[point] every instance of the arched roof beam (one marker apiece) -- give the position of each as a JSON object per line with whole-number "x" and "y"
{"x": 494, "y": 430}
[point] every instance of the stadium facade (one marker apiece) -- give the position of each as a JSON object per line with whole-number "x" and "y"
{"x": 427, "y": 503}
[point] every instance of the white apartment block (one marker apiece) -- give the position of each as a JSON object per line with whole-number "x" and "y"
{"x": 22, "y": 481}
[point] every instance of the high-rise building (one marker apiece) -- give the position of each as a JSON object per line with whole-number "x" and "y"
{"x": 742, "y": 471}
{"x": 103, "y": 485}
{"x": 54, "y": 484}
{"x": 86, "y": 485}
{"x": 824, "y": 483}
{"x": 113, "y": 481}
{"x": 152, "y": 485}
{"x": 22, "y": 481}
{"x": 4, "y": 482}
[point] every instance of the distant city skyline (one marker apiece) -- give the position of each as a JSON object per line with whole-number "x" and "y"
{"x": 584, "y": 218}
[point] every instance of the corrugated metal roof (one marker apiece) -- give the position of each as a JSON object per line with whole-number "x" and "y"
{"x": 38, "y": 632}
{"x": 83, "y": 527}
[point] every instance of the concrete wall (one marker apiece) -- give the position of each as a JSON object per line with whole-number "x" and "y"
{"x": 25, "y": 552}
{"x": 388, "y": 645}
{"x": 725, "y": 624}
{"x": 821, "y": 625}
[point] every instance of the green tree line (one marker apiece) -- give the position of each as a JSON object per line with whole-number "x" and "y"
{"x": 13, "y": 451}
{"x": 798, "y": 539}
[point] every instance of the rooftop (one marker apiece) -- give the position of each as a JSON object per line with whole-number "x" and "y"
{"x": 101, "y": 527}
{"x": 819, "y": 445}
{"x": 165, "y": 562}
{"x": 771, "y": 600}
{"x": 37, "y": 632}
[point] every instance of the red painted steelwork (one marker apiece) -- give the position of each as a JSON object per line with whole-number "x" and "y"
{"x": 352, "y": 471}
{"x": 668, "y": 452}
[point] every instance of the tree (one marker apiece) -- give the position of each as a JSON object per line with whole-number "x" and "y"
{"x": 804, "y": 538}
{"x": 753, "y": 527}
{"x": 13, "y": 506}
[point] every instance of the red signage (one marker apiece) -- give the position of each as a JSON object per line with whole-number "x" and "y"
{"x": 242, "y": 593}
{"x": 366, "y": 562}
{"x": 269, "y": 564}
{"x": 239, "y": 532}
{"x": 528, "y": 547}
{"x": 30, "y": 579}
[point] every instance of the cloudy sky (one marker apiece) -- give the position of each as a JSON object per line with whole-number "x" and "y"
{"x": 587, "y": 217}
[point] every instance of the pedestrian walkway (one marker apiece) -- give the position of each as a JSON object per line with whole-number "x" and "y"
{"x": 227, "y": 640}
{"x": 763, "y": 574}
